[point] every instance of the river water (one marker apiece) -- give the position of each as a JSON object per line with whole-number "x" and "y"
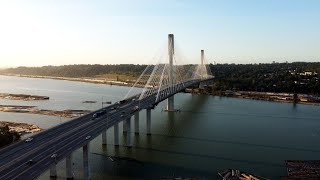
{"x": 209, "y": 134}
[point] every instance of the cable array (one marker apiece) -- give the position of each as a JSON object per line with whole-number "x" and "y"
{"x": 155, "y": 79}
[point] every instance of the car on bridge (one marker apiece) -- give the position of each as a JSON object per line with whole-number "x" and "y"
{"x": 29, "y": 139}
{"x": 54, "y": 155}
{"x": 123, "y": 101}
{"x": 135, "y": 108}
{"x": 30, "y": 162}
{"x": 98, "y": 114}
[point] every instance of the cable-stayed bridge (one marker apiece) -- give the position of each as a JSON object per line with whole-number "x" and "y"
{"x": 28, "y": 160}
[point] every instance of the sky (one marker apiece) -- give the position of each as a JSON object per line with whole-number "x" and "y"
{"x": 59, "y": 32}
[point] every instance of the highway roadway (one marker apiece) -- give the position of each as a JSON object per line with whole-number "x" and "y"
{"x": 68, "y": 137}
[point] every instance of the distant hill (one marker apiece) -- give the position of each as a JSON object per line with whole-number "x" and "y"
{"x": 300, "y": 77}
{"x": 77, "y": 71}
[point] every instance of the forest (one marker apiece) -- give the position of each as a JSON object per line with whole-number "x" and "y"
{"x": 299, "y": 77}
{"x": 77, "y": 71}
{"x": 7, "y": 137}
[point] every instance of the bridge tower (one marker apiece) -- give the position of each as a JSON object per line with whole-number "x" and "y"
{"x": 202, "y": 57}
{"x": 170, "y": 103}
{"x": 201, "y": 85}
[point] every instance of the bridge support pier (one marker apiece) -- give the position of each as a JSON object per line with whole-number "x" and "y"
{"x": 148, "y": 121}
{"x": 170, "y": 105}
{"x": 128, "y": 123}
{"x": 116, "y": 134}
{"x": 86, "y": 167}
{"x": 136, "y": 122}
{"x": 104, "y": 137}
{"x": 124, "y": 126}
{"x": 69, "y": 167}
{"x": 53, "y": 171}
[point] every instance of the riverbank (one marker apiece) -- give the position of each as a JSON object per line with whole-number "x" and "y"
{"x": 23, "y": 97}
{"x": 21, "y": 128}
{"x": 265, "y": 96}
{"x": 86, "y": 80}
{"x": 69, "y": 113}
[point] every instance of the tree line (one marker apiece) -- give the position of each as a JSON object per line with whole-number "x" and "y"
{"x": 276, "y": 77}
{"x": 7, "y": 136}
{"x": 77, "y": 71}
{"x": 299, "y": 77}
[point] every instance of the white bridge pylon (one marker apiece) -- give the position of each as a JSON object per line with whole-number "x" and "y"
{"x": 159, "y": 78}
{"x": 202, "y": 70}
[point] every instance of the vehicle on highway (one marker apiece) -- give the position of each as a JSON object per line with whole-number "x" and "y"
{"x": 30, "y": 162}
{"x": 88, "y": 137}
{"x": 94, "y": 116}
{"x": 29, "y": 139}
{"x": 136, "y": 108}
{"x": 54, "y": 155}
{"x": 98, "y": 114}
{"x": 123, "y": 101}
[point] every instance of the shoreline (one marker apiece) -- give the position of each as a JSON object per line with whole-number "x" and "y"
{"x": 262, "y": 95}
{"x": 85, "y": 80}
{"x": 23, "y": 97}
{"x": 21, "y": 128}
{"x": 68, "y": 113}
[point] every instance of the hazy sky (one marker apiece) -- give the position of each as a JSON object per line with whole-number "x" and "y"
{"x": 55, "y": 32}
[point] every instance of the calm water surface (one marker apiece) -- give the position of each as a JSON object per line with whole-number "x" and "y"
{"x": 210, "y": 134}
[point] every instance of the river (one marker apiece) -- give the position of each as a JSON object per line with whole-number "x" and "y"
{"x": 210, "y": 133}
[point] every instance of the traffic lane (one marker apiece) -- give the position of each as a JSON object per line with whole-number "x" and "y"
{"x": 65, "y": 148}
{"x": 42, "y": 138}
{"x": 35, "y": 149}
{"x": 49, "y": 150}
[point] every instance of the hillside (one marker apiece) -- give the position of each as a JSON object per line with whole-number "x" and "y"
{"x": 77, "y": 71}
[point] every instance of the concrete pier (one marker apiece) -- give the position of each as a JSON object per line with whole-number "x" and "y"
{"x": 128, "y": 122}
{"x": 136, "y": 122}
{"x": 116, "y": 134}
{"x": 148, "y": 121}
{"x": 124, "y": 126}
{"x": 86, "y": 165}
{"x": 104, "y": 138}
{"x": 53, "y": 171}
{"x": 69, "y": 167}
